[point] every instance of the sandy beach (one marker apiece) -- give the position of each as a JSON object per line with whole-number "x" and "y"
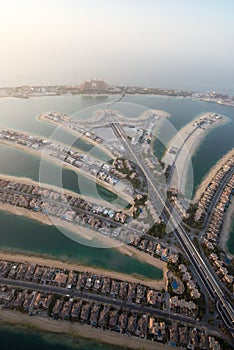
{"x": 87, "y": 234}
{"x": 78, "y": 330}
{"x": 45, "y": 157}
{"x": 82, "y": 232}
{"x": 227, "y": 226}
{"x": 71, "y": 265}
{"x": 29, "y": 181}
{"x": 78, "y": 135}
{"x": 187, "y": 150}
{"x": 75, "y": 231}
{"x": 209, "y": 177}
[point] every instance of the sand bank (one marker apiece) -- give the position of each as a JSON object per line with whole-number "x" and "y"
{"x": 46, "y": 157}
{"x": 97, "y": 201}
{"x": 71, "y": 265}
{"x": 78, "y": 330}
{"x": 209, "y": 177}
{"x": 78, "y": 135}
{"x": 88, "y": 234}
{"x": 185, "y": 149}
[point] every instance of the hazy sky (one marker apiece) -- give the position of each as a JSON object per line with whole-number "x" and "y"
{"x": 168, "y": 43}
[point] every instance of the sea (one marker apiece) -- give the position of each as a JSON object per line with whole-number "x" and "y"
{"x": 25, "y": 235}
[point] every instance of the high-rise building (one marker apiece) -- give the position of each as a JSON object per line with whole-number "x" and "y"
{"x": 94, "y": 86}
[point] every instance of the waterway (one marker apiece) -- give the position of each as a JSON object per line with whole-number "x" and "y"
{"x": 22, "y": 234}
{"x": 27, "y": 339}
{"x": 21, "y": 114}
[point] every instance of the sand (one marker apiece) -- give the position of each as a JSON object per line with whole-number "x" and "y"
{"x": 29, "y": 181}
{"x": 45, "y": 157}
{"x": 77, "y": 231}
{"x": 83, "y": 232}
{"x": 78, "y": 330}
{"x": 209, "y": 177}
{"x": 71, "y": 265}
{"x": 183, "y": 160}
{"x": 78, "y": 135}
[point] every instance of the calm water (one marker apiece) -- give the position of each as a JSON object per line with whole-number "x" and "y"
{"x": 21, "y": 114}
{"x": 26, "y": 339}
{"x": 19, "y": 233}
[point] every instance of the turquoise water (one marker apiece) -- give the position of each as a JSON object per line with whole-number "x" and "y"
{"x": 16, "y": 162}
{"x": 22, "y": 234}
{"x": 13, "y": 337}
{"x": 21, "y": 114}
{"x": 19, "y": 233}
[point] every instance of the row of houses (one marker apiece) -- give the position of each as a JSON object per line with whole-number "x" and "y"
{"x": 107, "y": 317}
{"x": 62, "y": 153}
{"x": 83, "y": 281}
{"x": 52, "y": 202}
{"x": 209, "y": 193}
{"x": 212, "y": 234}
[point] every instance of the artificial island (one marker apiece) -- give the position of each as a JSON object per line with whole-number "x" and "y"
{"x": 192, "y": 305}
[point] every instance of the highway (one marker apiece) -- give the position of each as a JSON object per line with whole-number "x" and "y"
{"x": 98, "y": 298}
{"x": 203, "y": 271}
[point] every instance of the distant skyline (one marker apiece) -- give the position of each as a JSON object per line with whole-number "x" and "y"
{"x": 159, "y": 43}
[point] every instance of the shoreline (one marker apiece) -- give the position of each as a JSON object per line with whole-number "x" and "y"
{"x": 45, "y": 157}
{"x": 76, "y": 133}
{"x": 104, "y": 243}
{"x": 203, "y": 99}
{"x": 227, "y": 227}
{"x": 77, "y": 330}
{"x": 183, "y": 161}
{"x": 209, "y": 176}
{"x": 75, "y": 230}
{"x": 72, "y": 265}
{"x": 28, "y": 181}
{"x": 84, "y": 232}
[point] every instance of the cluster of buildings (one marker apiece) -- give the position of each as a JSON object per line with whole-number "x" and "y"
{"x": 186, "y": 277}
{"x": 62, "y": 206}
{"x": 94, "y": 86}
{"x": 182, "y": 306}
{"x": 106, "y": 317}
{"x": 82, "y": 281}
{"x": 209, "y": 193}
{"x": 211, "y": 236}
{"x": 212, "y": 233}
{"x": 214, "y": 96}
{"x": 64, "y": 119}
{"x": 87, "y": 164}
{"x": 150, "y": 246}
{"x": 221, "y": 270}
{"x": 179, "y": 206}
{"x": 183, "y": 280}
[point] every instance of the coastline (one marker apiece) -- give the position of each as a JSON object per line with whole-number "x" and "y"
{"x": 45, "y": 157}
{"x": 205, "y": 99}
{"x": 84, "y": 232}
{"x": 184, "y": 160}
{"x": 78, "y": 330}
{"x": 72, "y": 265}
{"x": 209, "y": 177}
{"x": 77, "y": 134}
{"x": 29, "y": 181}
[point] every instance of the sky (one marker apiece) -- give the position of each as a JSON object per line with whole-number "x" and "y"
{"x": 160, "y": 43}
